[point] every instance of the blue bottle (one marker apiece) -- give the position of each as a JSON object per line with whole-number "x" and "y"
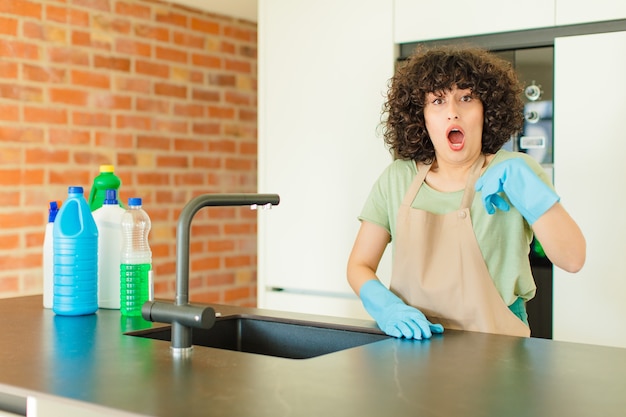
{"x": 75, "y": 247}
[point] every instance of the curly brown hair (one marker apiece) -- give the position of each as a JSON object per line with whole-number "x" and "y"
{"x": 492, "y": 80}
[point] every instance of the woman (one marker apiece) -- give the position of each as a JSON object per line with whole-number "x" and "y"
{"x": 460, "y": 211}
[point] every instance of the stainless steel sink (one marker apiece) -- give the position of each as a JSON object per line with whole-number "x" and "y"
{"x": 273, "y": 336}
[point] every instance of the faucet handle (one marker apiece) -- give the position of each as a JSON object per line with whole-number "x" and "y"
{"x": 202, "y": 317}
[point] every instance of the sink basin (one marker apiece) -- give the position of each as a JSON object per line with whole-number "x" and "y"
{"x": 272, "y": 336}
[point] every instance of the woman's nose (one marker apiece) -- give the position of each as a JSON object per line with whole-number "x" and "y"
{"x": 453, "y": 111}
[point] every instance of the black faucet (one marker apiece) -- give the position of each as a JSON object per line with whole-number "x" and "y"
{"x": 182, "y": 315}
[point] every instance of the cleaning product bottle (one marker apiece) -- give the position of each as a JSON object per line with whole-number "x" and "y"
{"x": 108, "y": 219}
{"x": 75, "y": 245}
{"x": 48, "y": 255}
{"x": 106, "y": 180}
{"x": 136, "y": 259}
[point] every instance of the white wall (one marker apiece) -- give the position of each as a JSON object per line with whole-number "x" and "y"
{"x": 590, "y": 173}
{"x": 323, "y": 72}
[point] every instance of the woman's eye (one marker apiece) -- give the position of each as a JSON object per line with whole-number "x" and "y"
{"x": 437, "y": 100}
{"x": 466, "y": 98}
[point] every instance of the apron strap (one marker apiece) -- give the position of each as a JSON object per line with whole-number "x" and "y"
{"x": 422, "y": 170}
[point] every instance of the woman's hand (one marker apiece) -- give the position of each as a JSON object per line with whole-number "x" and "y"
{"x": 393, "y": 316}
{"x": 530, "y": 196}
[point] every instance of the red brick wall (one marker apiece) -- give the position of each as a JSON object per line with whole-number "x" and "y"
{"x": 165, "y": 93}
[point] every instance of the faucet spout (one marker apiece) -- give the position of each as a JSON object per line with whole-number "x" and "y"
{"x": 183, "y": 230}
{"x": 181, "y": 314}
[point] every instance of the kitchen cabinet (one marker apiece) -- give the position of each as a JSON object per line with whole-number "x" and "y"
{"x": 589, "y": 149}
{"x": 569, "y": 12}
{"x": 323, "y": 72}
{"x": 428, "y": 20}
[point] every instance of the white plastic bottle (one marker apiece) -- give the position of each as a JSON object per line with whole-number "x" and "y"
{"x": 48, "y": 256}
{"x": 136, "y": 259}
{"x": 108, "y": 219}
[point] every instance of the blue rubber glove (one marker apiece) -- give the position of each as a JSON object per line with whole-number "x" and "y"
{"x": 528, "y": 193}
{"x": 393, "y": 316}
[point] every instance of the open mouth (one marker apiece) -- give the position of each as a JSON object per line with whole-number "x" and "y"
{"x": 456, "y": 138}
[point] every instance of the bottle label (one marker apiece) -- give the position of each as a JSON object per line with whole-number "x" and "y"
{"x": 134, "y": 288}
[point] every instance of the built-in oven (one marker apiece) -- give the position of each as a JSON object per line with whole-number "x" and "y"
{"x": 535, "y": 68}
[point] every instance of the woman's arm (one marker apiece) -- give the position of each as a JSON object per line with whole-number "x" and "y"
{"x": 558, "y": 233}
{"x": 561, "y": 238}
{"x": 392, "y": 315}
{"x": 367, "y": 251}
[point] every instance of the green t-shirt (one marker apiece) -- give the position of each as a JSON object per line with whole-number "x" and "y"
{"x": 504, "y": 238}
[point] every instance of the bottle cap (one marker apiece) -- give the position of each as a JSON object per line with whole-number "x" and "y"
{"x": 134, "y": 201}
{"x": 74, "y": 189}
{"x": 53, "y": 210}
{"x": 107, "y": 168}
{"x": 111, "y": 197}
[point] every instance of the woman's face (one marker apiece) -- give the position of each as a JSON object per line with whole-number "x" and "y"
{"x": 454, "y": 120}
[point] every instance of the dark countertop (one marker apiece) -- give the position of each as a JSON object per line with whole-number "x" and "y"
{"x": 458, "y": 374}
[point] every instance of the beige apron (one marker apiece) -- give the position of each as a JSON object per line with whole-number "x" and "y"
{"x": 439, "y": 269}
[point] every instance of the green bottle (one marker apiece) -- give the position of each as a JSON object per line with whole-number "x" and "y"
{"x": 106, "y": 180}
